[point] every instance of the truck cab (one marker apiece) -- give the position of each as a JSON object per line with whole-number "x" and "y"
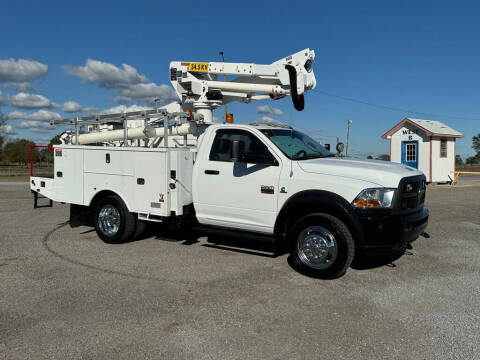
{"x": 281, "y": 182}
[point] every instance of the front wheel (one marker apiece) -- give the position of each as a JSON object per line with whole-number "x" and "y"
{"x": 322, "y": 246}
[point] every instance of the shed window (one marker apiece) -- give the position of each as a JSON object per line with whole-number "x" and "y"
{"x": 443, "y": 148}
{"x": 412, "y": 152}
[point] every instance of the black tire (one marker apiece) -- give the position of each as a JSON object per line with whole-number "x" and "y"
{"x": 126, "y": 221}
{"x": 334, "y": 265}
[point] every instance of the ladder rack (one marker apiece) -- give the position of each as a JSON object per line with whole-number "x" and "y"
{"x": 149, "y": 117}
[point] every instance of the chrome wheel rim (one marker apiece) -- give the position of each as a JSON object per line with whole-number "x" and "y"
{"x": 109, "y": 220}
{"x": 317, "y": 247}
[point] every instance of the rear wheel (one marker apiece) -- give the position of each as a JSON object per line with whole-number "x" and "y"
{"x": 113, "y": 222}
{"x": 322, "y": 246}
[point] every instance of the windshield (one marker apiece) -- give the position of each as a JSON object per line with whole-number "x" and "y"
{"x": 296, "y": 145}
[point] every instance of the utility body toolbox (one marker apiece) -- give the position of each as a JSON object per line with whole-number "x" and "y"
{"x": 153, "y": 182}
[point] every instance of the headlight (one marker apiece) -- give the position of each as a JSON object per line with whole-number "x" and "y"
{"x": 374, "y": 198}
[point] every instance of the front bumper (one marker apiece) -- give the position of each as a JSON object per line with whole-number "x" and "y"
{"x": 389, "y": 233}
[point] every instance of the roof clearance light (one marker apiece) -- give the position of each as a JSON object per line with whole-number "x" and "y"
{"x": 229, "y": 118}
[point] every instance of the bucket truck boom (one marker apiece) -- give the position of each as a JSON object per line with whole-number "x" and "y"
{"x": 196, "y": 83}
{"x": 200, "y": 92}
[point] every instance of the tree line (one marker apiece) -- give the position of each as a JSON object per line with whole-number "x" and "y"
{"x": 18, "y": 151}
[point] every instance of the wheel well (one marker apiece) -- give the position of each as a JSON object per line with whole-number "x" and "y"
{"x": 100, "y": 195}
{"x": 314, "y": 201}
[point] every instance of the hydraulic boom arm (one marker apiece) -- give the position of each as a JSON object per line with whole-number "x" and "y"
{"x": 200, "y": 91}
{"x": 197, "y": 85}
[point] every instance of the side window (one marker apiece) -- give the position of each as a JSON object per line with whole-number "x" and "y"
{"x": 254, "y": 150}
{"x": 443, "y": 148}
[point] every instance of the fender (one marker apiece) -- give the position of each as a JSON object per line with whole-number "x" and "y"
{"x": 83, "y": 214}
{"x": 311, "y": 201}
{"x": 106, "y": 192}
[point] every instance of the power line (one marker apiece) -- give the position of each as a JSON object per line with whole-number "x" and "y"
{"x": 386, "y": 107}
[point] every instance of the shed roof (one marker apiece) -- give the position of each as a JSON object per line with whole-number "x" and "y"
{"x": 431, "y": 128}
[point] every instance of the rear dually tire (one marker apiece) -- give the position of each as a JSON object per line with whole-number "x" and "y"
{"x": 114, "y": 224}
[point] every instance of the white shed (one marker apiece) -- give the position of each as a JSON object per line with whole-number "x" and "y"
{"x": 427, "y": 145}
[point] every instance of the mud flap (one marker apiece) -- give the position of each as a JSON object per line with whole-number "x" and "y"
{"x": 80, "y": 216}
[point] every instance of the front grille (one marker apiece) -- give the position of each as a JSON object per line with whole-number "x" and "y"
{"x": 411, "y": 195}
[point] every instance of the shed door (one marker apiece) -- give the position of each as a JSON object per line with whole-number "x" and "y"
{"x": 410, "y": 153}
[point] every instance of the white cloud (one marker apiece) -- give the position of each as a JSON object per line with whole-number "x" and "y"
{"x": 122, "y": 99}
{"x": 271, "y": 121}
{"x": 24, "y": 100}
{"x": 7, "y": 129}
{"x": 265, "y": 109}
{"x": 150, "y": 90}
{"x": 125, "y": 81}
{"x": 3, "y": 99}
{"x": 20, "y": 86}
{"x": 41, "y": 139}
{"x": 268, "y": 119}
{"x": 71, "y": 107}
{"x": 40, "y": 115}
{"x": 19, "y": 73}
{"x": 105, "y": 74}
{"x": 74, "y": 107}
{"x": 90, "y": 110}
{"x": 123, "y": 108}
{"x": 34, "y": 124}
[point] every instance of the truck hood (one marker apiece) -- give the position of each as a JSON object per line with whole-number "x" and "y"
{"x": 383, "y": 173}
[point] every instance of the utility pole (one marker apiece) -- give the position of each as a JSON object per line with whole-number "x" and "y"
{"x": 348, "y": 134}
{"x": 224, "y": 79}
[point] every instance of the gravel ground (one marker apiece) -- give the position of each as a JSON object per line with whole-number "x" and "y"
{"x": 66, "y": 295}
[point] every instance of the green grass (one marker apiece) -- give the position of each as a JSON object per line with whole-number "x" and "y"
{"x": 23, "y": 178}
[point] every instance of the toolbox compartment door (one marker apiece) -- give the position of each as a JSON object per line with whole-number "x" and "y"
{"x": 151, "y": 174}
{"x": 68, "y": 174}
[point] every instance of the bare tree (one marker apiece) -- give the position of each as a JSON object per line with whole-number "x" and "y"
{"x": 3, "y": 121}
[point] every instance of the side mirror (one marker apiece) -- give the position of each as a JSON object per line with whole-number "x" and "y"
{"x": 237, "y": 152}
{"x": 327, "y": 146}
{"x": 340, "y": 148}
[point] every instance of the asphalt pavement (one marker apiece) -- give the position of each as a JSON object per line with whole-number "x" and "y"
{"x": 66, "y": 295}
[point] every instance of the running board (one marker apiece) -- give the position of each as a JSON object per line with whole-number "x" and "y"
{"x": 214, "y": 230}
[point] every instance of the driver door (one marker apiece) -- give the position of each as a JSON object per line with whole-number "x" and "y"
{"x": 240, "y": 194}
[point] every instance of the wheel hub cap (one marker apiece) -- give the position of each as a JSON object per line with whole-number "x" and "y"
{"x": 109, "y": 220}
{"x": 317, "y": 247}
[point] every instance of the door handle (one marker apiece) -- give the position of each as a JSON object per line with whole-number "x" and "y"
{"x": 212, "y": 172}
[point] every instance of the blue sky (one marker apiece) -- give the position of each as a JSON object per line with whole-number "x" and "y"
{"x": 417, "y": 55}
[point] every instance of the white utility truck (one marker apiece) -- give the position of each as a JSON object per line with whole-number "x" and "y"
{"x": 177, "y": 166}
